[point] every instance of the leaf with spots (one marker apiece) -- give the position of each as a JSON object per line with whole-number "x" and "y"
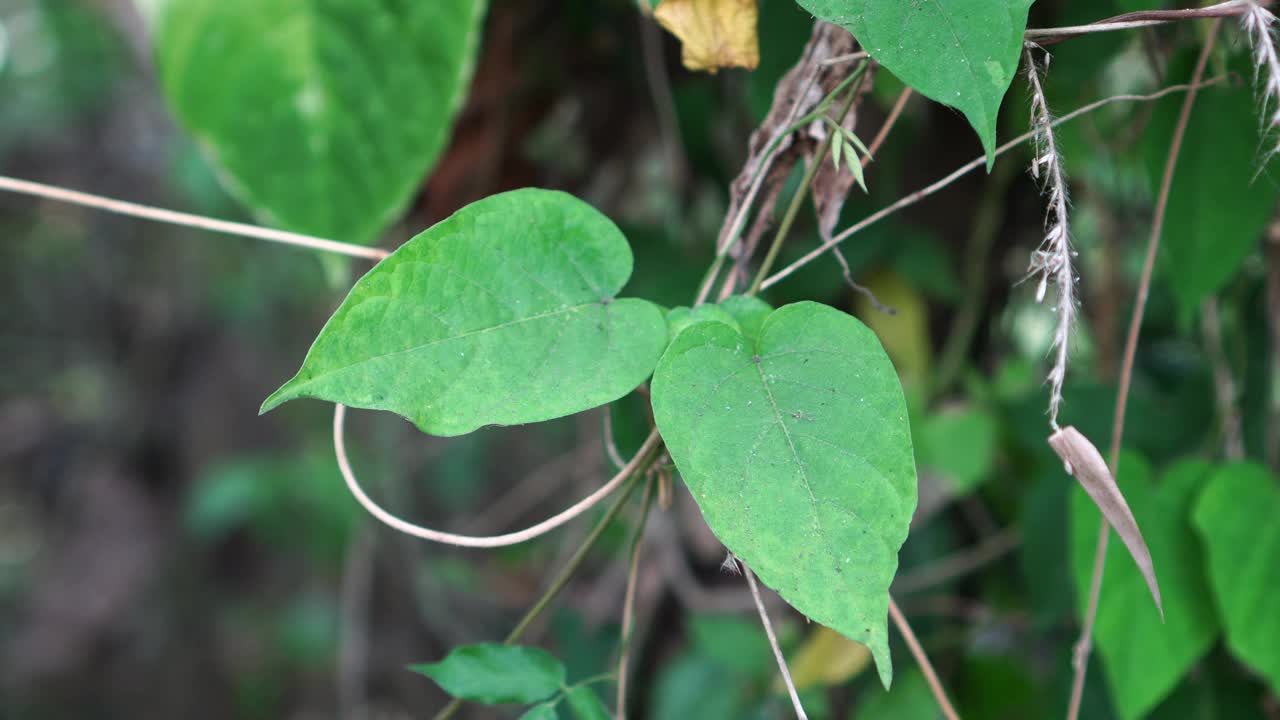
{"x": 962, "y": 53}
{"x": 504, "y": 313}
{"x": 796, "y": 446}
{"x": 324, "y": 115}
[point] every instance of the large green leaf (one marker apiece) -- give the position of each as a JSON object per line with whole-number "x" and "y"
{"x": 1219, "y": 202}
{"x": 1237, "y": 518}
{"x": 502, "y": 314}
{"x": 1144, "y": 658}
{"x": 963, "y": 53}
{"x": 497, "y": 674}
{"x": 323, "y": 114}
{"x": 796, "y": 446}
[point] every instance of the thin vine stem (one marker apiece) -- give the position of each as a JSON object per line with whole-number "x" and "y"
{"x": 172, "y": 217}
{"x": 917, "y": 196}
{"x": 926, "y": 667}
{"x": 773, "y": 641}
{"x": 797, "y": 200}
{"x": 558, "y": 584}
{"x": 629, "y": 600}
{"x": 633, "y": 467}
{"x": 1084, "y": 645}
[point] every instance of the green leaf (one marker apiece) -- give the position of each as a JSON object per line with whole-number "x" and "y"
{"x": 796, "y": 447}
{"x": 504, "y": 313}
{"x": 958, "y": 444}
{"x": 1236, "y": 517}
{"x": 749, "y": 311}
{"x": 837, "y": 147}
{"x": 323, "y": 114}
{"x": 585, "y": 704}
{"x": 679, "y": 318}
{"x": 1144, "y": 659}
{"x": 496, "y": 674}
{"x": 1219, "y": 203}
{"x": 733, "y": 641}
{"x": 545, "y": 711}
{"x": 962, "y": 53}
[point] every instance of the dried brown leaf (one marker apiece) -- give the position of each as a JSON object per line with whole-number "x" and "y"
{"x": 714, "y": 33}
{"x": 1085, "y": 463}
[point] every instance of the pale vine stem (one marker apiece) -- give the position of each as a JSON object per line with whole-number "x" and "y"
{"x": 768, "y": 631}
{"x": 629, "y": 600}
{"x": 171, "y": 217}
{"x": 980, "y": 161}
{"x": 1052, "y": 260}
{"x": 926, "y": 667}
{"x": 485, "y": 541}
{"x": 1085, "y": 644}
{"x": 1224, "y": 384}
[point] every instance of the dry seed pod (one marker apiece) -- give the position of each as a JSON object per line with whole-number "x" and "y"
{"x": 1085, "y": 463}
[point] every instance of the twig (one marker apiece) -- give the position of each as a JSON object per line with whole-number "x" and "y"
{"x": 146, "y": 212}
{"x": 982, "y": 235}
{"x": 958, "y": 564}
{"x": 610, "y": 445}
{"x": 559, "y": 582}
{"x": 655, "y": 72}
{"x": 1141, "y": 18}
{"x": 797, "y": 200}
{"x": 768, "y": 629}
{"x": 1085, "y": 644}
{"x": 339, "y": 446}
{"x": 1052, "y": 260}
{"x": 926, "y": 667}
{"x": 353, "y": 643}
{"x": 1271, "y": 442}
{"x": 963, "y": 170}
{"x": 1224, "y": 385}
{"x": 629, "y": 600}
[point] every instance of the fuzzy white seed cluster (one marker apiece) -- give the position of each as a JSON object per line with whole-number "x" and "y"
{"x": 1258, "y": 23}
{"x": 1052, "y": 261}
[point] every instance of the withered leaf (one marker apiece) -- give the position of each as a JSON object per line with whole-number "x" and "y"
{"x": 1085, "y": 463}
{"x": 714, "y": 33}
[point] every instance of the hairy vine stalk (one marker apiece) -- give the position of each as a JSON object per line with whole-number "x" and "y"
{"x": 1051, "y": 262}
{"x": 1258, "y": 23}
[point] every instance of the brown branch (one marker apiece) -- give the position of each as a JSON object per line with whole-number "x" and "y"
{"x": 926, "y": 667}
{"x": 963, "y": 170}
{"x": 1085, "y": 644}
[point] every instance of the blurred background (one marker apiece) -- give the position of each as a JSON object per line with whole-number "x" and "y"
{"x": 165, "y": 552}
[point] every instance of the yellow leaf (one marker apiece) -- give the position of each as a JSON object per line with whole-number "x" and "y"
{"x": 905, "y": 334}
{"x": 714, "y": 33}
{"x": 826, "y": 658}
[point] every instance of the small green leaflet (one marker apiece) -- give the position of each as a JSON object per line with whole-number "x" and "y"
{"x": 504, "y": 313}
{"x": 324, "y": 115}
{"x": 496, "y": 674}
{"x": 1144, "y": 658}
{"x": 545, "y": 711}
{"x": 1237, "y": 518}
{"x": 585, "y": 704}
{"x": 796, "y": 446}
{"x": 962, "y": 53}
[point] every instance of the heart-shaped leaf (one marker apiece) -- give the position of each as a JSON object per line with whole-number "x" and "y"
{"x": 1144, "y": 658}
{"x": 502, "y": 314}
{"x": 796, "y": 446}
{"x": 496, "y": 674}
{"x": 1236, "y": 515}
{"x": 324, "y": 116}
{"x": 963, "y": 53}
